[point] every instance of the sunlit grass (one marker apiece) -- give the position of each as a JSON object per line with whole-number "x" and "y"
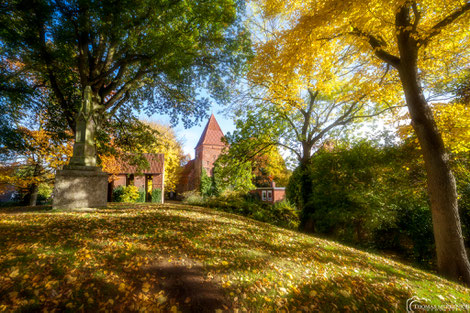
{"x": 78, "y": 261}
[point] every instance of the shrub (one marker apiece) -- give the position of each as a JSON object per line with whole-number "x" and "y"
{"x": 367, "y": 195}
{"x": 193, "y": 198}
{"x": 126, "y": 194}
{"x": 207, "y": 186}
{"x": 44, "y": 193}
{"x": 142, "y": 194}
{"x": 117, "y": 193}
{"x": 130, "y": 194}
{"x": 157, "y": 195}
{"x": 285, "y": 214}
{"x": 282, "y": 214}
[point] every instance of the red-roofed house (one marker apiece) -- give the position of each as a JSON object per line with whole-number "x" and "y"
{"x": 271, "y": 194}
{"x": 208, "y": 149}
{"x": 147, "y": 180}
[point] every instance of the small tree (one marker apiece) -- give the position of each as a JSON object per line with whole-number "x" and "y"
{"x": 38, "y": 155}
{"x": 206, "y": 186}
{"x": 232, "y": 174}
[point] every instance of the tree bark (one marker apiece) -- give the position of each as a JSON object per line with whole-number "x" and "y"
{"x": 33, "y": 195}
{"x": 452, "y": 258}
{"x": 34, "y": 188}
{"x": 307, "y": 223}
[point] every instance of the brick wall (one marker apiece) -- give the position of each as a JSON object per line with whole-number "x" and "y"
{"x": 277, "y": 194}
{"x": 206, "y": 155}
{"x": 157, "y": 181}
{"x": 120, "y": 180}
{"x": 139, "y": 181}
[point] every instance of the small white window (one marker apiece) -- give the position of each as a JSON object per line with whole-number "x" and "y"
{"x": 263, "y": 195}
{"x": 270, "y": 195}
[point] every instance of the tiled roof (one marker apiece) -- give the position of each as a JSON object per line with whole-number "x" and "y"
{"x": 155, "y": 160}
{"x": 212, "y": 134}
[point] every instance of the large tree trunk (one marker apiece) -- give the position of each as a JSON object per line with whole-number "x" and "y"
{"x": 452, "y": 258}
{"x": 307, "y": 223}
{"x": 33, "y": 194}
{"x": 34, "y": 188}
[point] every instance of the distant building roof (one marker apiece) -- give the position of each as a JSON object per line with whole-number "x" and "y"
{"x": 212, "y": 134}
{"x": 155, "y": 160}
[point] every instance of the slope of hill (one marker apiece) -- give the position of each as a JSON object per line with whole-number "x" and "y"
{"x": 175, "y": 258}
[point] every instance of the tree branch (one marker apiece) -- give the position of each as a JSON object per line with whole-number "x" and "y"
{"x": 378, "y": 46}
{"x": 128, "y": 85}
{"x": 437, "y": 28}
{"x": 119, "y": 103}
{"x": 417, "y": 15}
{"x": 289, "y": 148}
{"x": 69, "y": 115}
{"x": 291, "y": 124}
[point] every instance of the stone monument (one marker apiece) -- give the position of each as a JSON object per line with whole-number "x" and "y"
{"x": 82, "y": 184}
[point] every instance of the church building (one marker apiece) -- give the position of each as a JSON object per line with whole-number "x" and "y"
{"x": 208, "y": 149}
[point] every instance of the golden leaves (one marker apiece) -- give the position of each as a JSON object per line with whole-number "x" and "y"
{"x": 107, "y": 259}
{"x": 327, "y": 43}
{"x": 41, "y": 156}
{"x": 453, "y": 121}
{"x": 145, "y": 287}
{"x": 14, "y": 273}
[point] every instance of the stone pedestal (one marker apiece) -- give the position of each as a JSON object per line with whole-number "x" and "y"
{"x": 80, "y": 187}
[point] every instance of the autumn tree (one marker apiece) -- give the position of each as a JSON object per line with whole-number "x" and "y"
{"x": 170, "y": 145}
{"x": 34, "y": 160}
{"x": 246, "y": 165}
{"x": 270, "y": 166}
{"x": 300, "y": 109}
{"x": 417, "y": 44}
{"x": 125, "y": 53}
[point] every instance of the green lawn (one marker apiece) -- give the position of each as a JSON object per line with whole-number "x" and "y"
{"x": 169, "y": 258}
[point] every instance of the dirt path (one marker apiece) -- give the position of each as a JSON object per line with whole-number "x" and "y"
{"x": 186, "y": 282}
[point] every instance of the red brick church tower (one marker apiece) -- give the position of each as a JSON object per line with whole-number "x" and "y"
{"x": 210, "y": 146}
{"x": 207, "y": 150}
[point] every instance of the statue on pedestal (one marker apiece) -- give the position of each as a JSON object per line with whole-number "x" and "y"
{"x": 82, "y": 184}
{"x": 84, "y": 150}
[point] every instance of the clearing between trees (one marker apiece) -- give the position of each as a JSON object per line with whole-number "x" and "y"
{"x": 179, "y": 258}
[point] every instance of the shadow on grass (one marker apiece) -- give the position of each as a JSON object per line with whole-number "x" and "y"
{"x": 189, "y": 286}
{"x": 117, "y": 241}
{"x": 25, "y": 209}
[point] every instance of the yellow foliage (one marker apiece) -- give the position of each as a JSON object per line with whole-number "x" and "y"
{"x": 110, "y": 165}
{"x": 168, "y": 144}
{"x": 453, "y": 121}
{"x": 41, "y": 157}
{"x": 304, "y": 44}
{"x": 271, "y": 165}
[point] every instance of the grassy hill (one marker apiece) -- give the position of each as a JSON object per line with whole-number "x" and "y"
{"x": 175, "y": 258}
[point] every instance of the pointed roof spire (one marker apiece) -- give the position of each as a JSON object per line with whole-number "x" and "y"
{"x": 212, "y": 134}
